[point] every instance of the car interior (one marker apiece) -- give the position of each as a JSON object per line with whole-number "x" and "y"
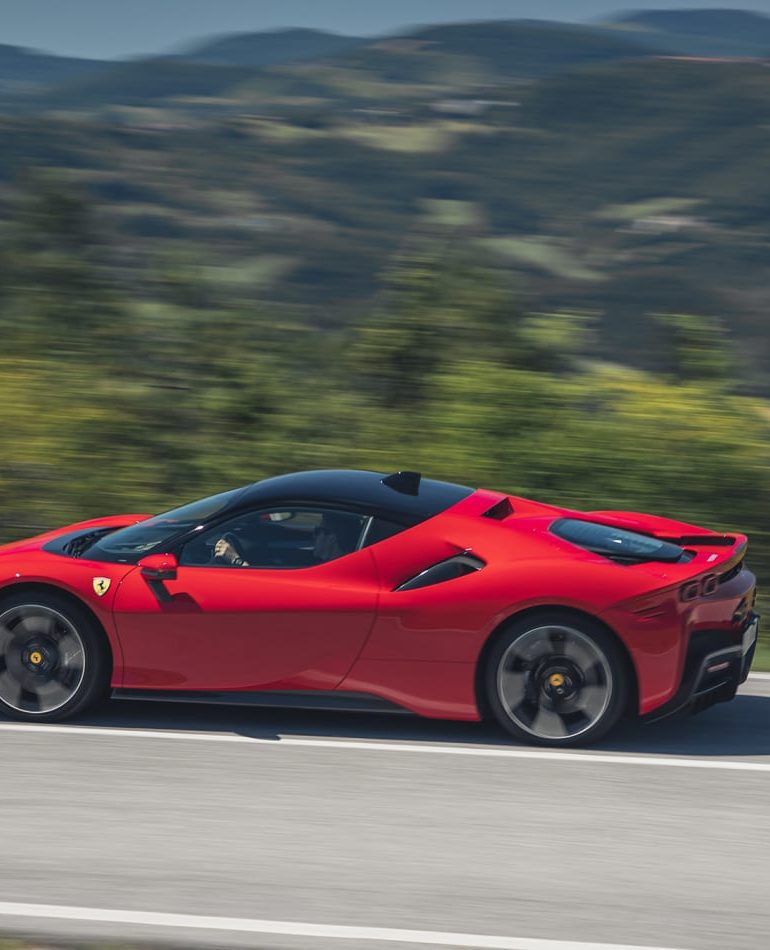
{"x": 290, "y": 538}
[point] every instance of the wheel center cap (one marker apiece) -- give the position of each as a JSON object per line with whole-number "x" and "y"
{"x": 38, "y": 658}
{"x": 560, "y": 682}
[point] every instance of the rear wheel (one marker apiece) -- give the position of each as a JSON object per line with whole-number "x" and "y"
{"x": 557, "y": 680}
{"x": 54, "y": 661}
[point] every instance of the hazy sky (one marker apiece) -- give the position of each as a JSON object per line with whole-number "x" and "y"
{"x": 111, "y": 28}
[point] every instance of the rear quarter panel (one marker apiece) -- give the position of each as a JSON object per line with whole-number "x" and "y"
{"x": 425, "y": 646}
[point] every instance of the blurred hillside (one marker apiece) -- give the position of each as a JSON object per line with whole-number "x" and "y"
{"x": 701, "y": 32}
{"x": 270, "y": 48}
{"x": 601, "y": 176}
{"x": 23, "y": 71}
{"x": 453, "y": 56}
{"x": 527, "y": 255}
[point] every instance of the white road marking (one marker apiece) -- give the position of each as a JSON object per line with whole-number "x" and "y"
{"x": 415, "y": 747}
{"x": 290, "y": 929}
{"x": 759, "y": 676}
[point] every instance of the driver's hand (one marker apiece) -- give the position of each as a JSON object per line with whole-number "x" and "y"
{"x": 225, "y": 551}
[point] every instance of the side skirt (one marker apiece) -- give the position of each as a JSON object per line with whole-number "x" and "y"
{"x": 310, "y": 700}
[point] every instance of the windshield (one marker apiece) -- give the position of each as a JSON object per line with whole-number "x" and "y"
{"x": 143, "y": 537}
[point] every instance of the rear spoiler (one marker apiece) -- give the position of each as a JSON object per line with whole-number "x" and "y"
{"x": 701, "y": 540}
{"x": 664, "y": 529}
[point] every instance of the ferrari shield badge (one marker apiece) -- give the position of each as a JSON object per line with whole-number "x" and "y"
{"x": 101, "y": 585}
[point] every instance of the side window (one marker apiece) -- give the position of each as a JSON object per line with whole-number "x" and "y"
{"x": 281, "y": 538}
{"x": 381, "y": 530}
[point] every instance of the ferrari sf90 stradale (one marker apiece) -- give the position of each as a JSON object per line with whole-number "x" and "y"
{"x": 364, "y": 590}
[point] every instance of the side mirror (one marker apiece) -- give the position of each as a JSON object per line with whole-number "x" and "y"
{"x": 159, "y": 567}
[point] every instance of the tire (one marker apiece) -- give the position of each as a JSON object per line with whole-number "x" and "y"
{"x": 557, "y": 679}
{"x": 54, "y": 658}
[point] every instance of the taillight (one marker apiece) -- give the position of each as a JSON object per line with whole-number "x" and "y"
{"x": 690, "y": 591}
{"x": 701, "y": 588}
{"x": 744, "y": 608}
{"x": 709, "y": 585}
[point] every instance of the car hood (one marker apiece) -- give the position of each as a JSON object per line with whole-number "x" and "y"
{"x": 36, "y": 543}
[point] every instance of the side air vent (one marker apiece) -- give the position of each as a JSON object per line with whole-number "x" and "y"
{"x": 450, "y": 570}
{"x": 502, "y": 510}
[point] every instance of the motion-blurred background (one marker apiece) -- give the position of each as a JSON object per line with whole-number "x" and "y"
{"x": 528, "y": 255}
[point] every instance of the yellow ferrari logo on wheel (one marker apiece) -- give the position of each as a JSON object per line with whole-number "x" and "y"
{"x": 101, "y": 585}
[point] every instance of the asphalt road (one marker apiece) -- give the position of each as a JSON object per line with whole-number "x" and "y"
{"x": 234, "y": 827}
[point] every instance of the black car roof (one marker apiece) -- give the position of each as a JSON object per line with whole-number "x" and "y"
{"x": 360, "y": 490}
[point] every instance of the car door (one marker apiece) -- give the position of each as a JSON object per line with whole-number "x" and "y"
{"x": 290, "y": 611}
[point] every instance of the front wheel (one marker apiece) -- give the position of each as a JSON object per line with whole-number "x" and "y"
{"x": 557, "y": 680}
{"x": 54, "y": 661}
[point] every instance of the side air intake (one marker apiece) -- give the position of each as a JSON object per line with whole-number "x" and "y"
{"x": 502, "y": 510}
{"x": 449, "y": 570}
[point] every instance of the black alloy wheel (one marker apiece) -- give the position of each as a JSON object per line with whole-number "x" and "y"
{"x": 54, "y": 658}
{"x": 557, "y": 679}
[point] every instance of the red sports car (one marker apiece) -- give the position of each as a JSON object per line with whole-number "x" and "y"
{"x": 369, "y": 591}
